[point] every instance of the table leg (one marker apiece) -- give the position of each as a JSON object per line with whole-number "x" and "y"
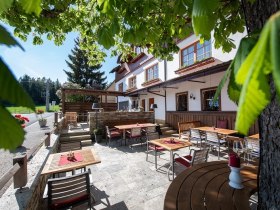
{"x": 171, "y": 163}
{"x": 155, "y": 156}
{"x": 124, "y": 137}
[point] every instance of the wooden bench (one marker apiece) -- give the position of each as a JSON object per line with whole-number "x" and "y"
{"x": 185, "y": 126}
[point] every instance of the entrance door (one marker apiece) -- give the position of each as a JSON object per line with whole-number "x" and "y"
{"x": 151, "y": 101}
{"x": 143, "y": 104}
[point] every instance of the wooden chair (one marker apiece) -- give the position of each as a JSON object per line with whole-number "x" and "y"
{"x": 69, "y": 191}
{"x": 134, "y": 134}
{"x": 195, "y": 135}
{"x": 194, "y": 157}
{"x": 156, "y": 149}
{"x": 213, "y": 140}
{"x": 252, "y": 147}
{"x": 71, "y": 118}
{"x": 112, "y": 133}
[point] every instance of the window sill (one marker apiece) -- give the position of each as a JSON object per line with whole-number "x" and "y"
{"x": 195, "y": 65}
{"x": 150, "y": 82}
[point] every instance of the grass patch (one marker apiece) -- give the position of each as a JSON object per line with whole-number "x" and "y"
{"x": 24, "y": 110}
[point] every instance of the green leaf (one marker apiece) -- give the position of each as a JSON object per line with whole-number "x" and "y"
{"x": 255, "y": 94}
{"x": 5, "y": 4}
{"x": 7, "y": 39}
{"x": 275, "y": 50}
{"x": 105, "y": 38}
{"x": 31, "y": 6}
{"x": 234, "y": 90}
{"x": 203, "y": 16}
{"x": 11, "y": 91}
{"x": 11, "y": 135}
{"x": 222, "y": 83}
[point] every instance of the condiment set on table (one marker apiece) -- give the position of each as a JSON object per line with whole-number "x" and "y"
{"x": 235, "y": 179}
{"x": 70, "y": 156}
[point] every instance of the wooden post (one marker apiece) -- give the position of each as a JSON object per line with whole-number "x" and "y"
{"x": 20, "y": 177}
{"x": 63, "y": 100}
{"x": 55, "y": 118}
{"x": 48, "y": 139}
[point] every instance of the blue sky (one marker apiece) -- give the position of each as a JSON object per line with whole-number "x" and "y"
{"x": 47, "y": 60}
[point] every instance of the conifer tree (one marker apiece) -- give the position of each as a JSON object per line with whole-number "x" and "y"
{"x": 81, "y": 72}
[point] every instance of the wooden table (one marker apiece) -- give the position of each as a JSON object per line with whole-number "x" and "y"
{"x": 205, "y": 186}
{"x": 165, "y": 143}
{"x": 127, "y": 127}
{"x": 255, "y": 136}
{"x": 52, "y": 166}
{"x": 217, "y": 130}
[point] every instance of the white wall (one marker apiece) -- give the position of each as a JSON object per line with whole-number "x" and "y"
{"x": 194, "y": 88}
{"x": 223, "y": 56}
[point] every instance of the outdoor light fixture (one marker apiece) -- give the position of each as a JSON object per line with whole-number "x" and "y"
{"x": 192, "y": 96}
{"x": 153, "y": 106}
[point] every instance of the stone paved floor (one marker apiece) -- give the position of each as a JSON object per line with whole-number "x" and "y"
{"x": 125, "y": 180}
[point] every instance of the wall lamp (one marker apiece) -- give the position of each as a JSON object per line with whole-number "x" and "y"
{"x": 192, "y": 96}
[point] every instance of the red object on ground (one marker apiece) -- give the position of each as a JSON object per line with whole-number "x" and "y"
{"x": 65, "y": 160}
{"x": 234, "y": 160}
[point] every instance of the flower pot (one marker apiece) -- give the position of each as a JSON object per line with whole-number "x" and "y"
{"x": 98, "y": 138}
{"x": 42, "y": 123}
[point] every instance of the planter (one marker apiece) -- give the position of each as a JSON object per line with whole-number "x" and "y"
{"x": 42, "y": 123}
{"x": 98, "y": 138}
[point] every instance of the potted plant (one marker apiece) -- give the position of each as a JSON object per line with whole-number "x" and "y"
{"x": 42, "y": 121}
{"x": 98, "y": 134}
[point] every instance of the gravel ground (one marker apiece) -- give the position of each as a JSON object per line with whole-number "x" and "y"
{"x": 33, "y": 138}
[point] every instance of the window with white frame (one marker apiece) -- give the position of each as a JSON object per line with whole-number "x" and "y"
{"x": 132, "y": 82}
{"x": 195, "y": 53}
{"x": 152, "y": 73}
{"x": 207, "y": 100}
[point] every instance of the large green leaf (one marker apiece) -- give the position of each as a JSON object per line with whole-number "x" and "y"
{"x": 11, "y": 91}
{"x": 105, "y": 37}
{"x": 4, "y": 5}
{"x": 275, "y": 50}
{"x": 31, "y": 6}
{"x": 234, "y": 90}
{"x": 11, "y": 134}
{"x": 252, "y": 75}
{"x": 203, "y": 16}
{"x": 7, "y": 39}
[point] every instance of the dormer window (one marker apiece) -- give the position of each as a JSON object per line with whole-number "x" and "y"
{"x": 152, "y": 73}
{"x": 138, "y": 50}
{"x": 195, "y": 53}
{"x": 132, "y": 82}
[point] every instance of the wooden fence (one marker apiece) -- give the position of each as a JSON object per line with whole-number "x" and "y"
{"x": 84, "y": 107}
{"x": 206, "y": 118}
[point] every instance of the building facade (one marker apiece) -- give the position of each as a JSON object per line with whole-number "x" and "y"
{"x": 186, "y": 84}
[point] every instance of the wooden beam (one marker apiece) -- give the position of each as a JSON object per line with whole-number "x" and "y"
{"x": 191, "y": 80}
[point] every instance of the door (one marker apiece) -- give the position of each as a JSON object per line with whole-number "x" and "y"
{"x": 143, "y": 104}
{"x": 151, "y": 101}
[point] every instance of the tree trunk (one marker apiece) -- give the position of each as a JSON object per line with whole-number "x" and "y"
{"x": 256, "y": 15}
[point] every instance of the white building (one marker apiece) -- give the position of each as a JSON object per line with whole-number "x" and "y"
{"x": 182, "y": 88}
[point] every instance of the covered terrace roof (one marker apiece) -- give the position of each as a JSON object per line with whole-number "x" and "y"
{"x": 187, "y": 77}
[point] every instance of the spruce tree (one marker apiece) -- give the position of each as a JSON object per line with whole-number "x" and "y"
{"x": 81, "y": 73}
